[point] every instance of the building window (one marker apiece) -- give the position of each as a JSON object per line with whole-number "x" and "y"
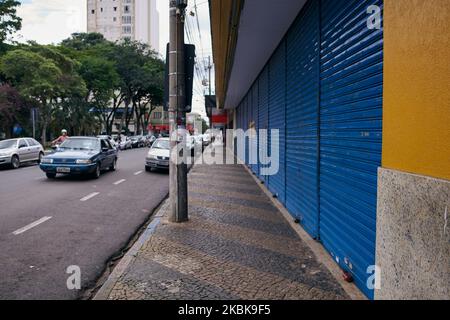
{"x": 126, "y": 29}
{"x": 114, "y": 19}
{"x": 115, "y": 8}
{"x": 126, "y": 9}
{"x": 93, "y": 11}
{"x": 157, "y": 115}
{"x": 126, "y": 19}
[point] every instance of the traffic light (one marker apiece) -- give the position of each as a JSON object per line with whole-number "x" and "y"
{"x": 189, "y": 63}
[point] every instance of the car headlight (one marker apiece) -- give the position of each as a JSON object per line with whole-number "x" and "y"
{"x": 82, "y": 161}
{"x": 151, "y": 157}
{"x": 48, "y": 161}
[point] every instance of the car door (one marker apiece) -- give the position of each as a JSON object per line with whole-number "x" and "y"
{"x": 111, "y": 152}
{"x": 104, "y": 159}
{"x": 23, "y": 150}
{"x": 34, "y": 149}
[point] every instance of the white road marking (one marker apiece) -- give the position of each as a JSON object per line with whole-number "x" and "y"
{"x": 90, "y": 196}
{"x": 31, "y": 225}
{"x": 119, "y": 182}
{"x": 138, "y": 173}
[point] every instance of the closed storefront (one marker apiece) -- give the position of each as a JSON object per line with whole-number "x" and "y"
{"x": 263, "y": 119}
{"x": 302, "y": 118}
{"x": 322, "y": 89}
{"x": 350, "y": 134}
{"x": 277, "y": 119}
{"x": 253, "y": 102}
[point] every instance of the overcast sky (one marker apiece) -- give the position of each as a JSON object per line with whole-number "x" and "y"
{"x": 50, "y": 21}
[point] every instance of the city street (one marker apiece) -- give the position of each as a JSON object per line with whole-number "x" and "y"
{"x": 49, "y": 225}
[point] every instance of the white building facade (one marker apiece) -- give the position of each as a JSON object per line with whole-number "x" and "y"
{"x": 120, "y": 19}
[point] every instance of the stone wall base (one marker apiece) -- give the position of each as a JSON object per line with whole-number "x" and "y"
{"x": 413, "y": 236}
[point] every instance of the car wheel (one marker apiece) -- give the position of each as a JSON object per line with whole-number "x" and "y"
{"x": 15, "y": 162}
{"x": 50, "y": 175}
{"x": 97, "y": 172}
{"x": 114, "y": 165}
{"x": 40, "y": 157}
{"x": 148, "y": 169}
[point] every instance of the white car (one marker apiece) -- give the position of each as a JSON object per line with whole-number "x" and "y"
{"x": 14, "y": 152}
{"x": 110, "y": 139}
{"x": 206, "y": 139}
{"x": 159, "y": 155}
{"x": 198, "y": 140}
{"x": 125, "y": 143}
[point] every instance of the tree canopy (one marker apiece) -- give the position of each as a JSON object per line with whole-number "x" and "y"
{"x": 9, "y": 21}
{"x": 85, "y": 83}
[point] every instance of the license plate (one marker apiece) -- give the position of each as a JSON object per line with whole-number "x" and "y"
{"x": 62, "y": 170}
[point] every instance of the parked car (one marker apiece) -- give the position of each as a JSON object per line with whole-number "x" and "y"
{"x": 198, "y": 140}
{"x": 159, "y": 155}
{"x": 14, "y": 152}
{"x": 110, "y": 139}
{"x": 137, "y": 141}
{"x": 124, "y": 143}
{"x": 149, "y": 140}
{"x": 206, "y": 139}
{"x": 81, "y": 156}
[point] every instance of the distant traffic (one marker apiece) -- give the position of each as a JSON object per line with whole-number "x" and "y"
{"x": 90, "y": 156}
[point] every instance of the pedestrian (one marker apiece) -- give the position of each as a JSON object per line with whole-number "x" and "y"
{"x": 63, "y": 137}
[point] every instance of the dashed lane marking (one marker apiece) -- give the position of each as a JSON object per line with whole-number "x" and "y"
{"x": 119, "y": 182}
{"x": 89, "y": 196}
{"x": 31, "y": 225}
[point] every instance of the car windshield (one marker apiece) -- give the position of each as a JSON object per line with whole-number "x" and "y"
{"x": 161, "y": 144}
{"x": 81, "y": 144}
{"x": 6, "y": 144}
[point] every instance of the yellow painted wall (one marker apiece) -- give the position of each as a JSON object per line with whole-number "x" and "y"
{"x": 416, "y": 124}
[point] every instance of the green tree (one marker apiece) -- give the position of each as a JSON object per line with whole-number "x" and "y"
{"x": 101, "y": 81}
{"x": 140, "y": 73}
{"x": 36, "y": 78}
{"x": 99, "y": 71}
{"x": 45, "y": 77}
{"x": 12, "y": 108}
{"x": 150, "y": 91}
{"x": 84, "y": 41}
{"x": 9, "y": 21}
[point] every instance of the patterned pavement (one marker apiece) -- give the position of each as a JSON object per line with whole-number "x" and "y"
{"x": 236, "y": 245}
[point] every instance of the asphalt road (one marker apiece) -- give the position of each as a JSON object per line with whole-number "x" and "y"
{"x": 48, "y": 225}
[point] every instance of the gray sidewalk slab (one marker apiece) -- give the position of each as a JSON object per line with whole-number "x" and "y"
{"x": 236, "y": 245}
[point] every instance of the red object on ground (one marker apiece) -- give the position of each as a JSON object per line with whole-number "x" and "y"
{"x": 348, "y": 276}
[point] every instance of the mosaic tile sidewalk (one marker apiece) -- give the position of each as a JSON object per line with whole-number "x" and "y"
{"x": 236, "y": 245}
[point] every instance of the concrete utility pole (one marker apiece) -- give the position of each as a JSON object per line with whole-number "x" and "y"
{"x": 177, "y": 113}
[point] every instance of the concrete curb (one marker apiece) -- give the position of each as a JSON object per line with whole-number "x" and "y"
{"x": 105, "y": 290}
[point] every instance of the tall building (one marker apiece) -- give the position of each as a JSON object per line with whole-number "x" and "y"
{"x": 120, "y": 19}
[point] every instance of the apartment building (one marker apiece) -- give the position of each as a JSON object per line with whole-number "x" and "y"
{"x": 121, "y": 19}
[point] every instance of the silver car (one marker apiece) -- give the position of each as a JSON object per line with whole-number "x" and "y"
{"x": 14, "y": 152}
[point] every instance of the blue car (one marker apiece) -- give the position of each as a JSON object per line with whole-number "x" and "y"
{"x": 81, "y": 156}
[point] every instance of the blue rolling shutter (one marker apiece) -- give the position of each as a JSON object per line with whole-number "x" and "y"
{"x": 237, "y": 125}
{"x": 263, "y": 117}
{"x": 351, "y": 134}
{"x": 245, "y": 127}
{"x": 302, "y": 118}
{"x": 277, "y": 120}
{"x": 254, "y": 101}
